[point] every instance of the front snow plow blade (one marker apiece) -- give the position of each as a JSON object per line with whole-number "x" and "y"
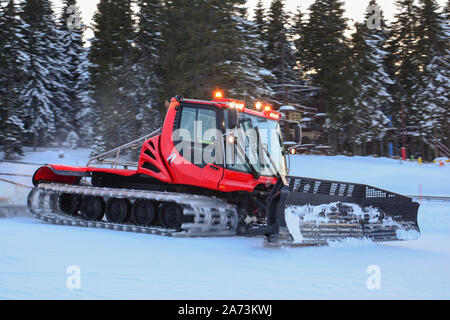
{"x": 318, "y": 212}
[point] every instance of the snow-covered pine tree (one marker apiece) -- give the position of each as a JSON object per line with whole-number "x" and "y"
{"x": 435, "y": 101}
{"x": 113, "y": 83}
{"x": 2, "y": 66}
{"x": 193, "y": 49}
{"x": 2, "y": 24}
{"x": 403, "y": 62}
{"x": 432, "y": 39}
{"x": 260, "y": 20}
{"x": 279, "y": 58}
{"x": 59, "y": 73}
{"x": 126, "y": 78}
{"x": 86, "y": 115}
{"x": 43, "y": 91}
{"x": 259, "y": 27}
{"x": 12, "y": 115}
{"x": 73, "y": 55}
{"x": 297, "y": 31}
{"x": 431, "y": 92}
{"x": 228, "y": 26}
{"x": 370, "y": 84}
{"x": 148, "y": 43}
{"x": 101, "y": 54}
{"x": 250, "y": 75}
{"x": 72, "y": 140}
{"x": 326, "y": 57}
{"x": 206, "y": 51}
{"x": 446, "y": 27}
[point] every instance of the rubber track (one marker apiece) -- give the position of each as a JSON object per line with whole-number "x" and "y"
{"x": 213, "y": 217}
{"x": 201, "y": 208}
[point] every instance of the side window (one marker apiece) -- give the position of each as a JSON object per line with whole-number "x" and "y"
{"x": 233, "y": 160}
{"x": 193, "y": 138}
{"x": 206, "y": 120}
{"x": 187, "y": 122}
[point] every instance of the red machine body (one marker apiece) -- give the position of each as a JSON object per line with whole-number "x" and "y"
{"x": 160, "y": 160}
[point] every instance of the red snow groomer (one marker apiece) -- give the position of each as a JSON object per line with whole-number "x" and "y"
{"x": 217, "y": 168}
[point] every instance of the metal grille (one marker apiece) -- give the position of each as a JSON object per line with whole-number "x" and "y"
{"x": 335, "y": 188}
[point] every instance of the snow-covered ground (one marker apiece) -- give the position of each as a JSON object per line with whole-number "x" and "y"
{"x": 403, "y": 177}
{"x": 34, "y": 256}
{"x": 16, "y": 194}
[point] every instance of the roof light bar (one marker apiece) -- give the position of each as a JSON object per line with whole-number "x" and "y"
{"x": 274, "y": 115}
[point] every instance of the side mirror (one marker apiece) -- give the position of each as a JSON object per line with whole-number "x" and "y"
{"x": 293, "y": 135}
{"x": 298, "y": 134}
{"x": 233, "y": 118}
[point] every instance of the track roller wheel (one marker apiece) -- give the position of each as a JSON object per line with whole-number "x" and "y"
{"x": 69, "y": 203}
{"x": 143, "y": 212}
{"x": 92, "y": 208}
{"x": 117, "y": 210}
{"x": 171, "y": 216}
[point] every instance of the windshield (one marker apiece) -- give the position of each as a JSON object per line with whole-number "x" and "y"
{"x": 254, "y": 135}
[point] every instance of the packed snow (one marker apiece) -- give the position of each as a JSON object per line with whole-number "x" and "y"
{"x": 296, "y": 215}
{"x": 404, "y": 177}
{"x": 35, "y": 257}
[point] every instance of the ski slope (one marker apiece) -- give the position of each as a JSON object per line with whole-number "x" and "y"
{"x": 34, "y": 256}
{"x": 403, "y": 177}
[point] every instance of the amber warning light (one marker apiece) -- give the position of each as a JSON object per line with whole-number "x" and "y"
{"x": 218, "y": 94}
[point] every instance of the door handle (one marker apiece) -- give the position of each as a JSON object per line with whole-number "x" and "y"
{"x": 214, "y": 167}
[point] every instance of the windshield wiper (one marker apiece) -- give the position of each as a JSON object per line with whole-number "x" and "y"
{"x": 255, "y": 173}
{"x": 243, "y": 155}
{"x": 273, "y": 166}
